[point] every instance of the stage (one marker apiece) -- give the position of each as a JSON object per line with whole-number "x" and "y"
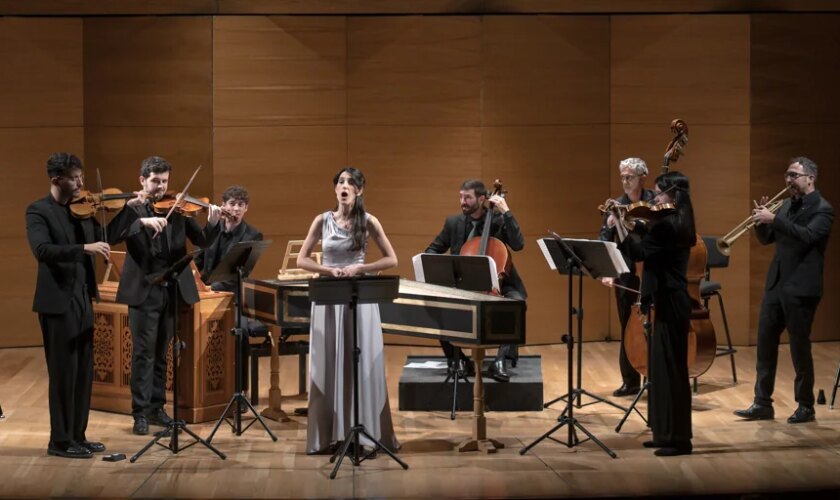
{"x": 730, "y": 457}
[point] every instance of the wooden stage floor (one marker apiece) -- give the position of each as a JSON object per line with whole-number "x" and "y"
{"x": 730, "y": 457}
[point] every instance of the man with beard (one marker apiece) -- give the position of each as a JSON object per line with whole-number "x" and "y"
{"x": 151, "y": 249}
{"x": 457, "y": 229}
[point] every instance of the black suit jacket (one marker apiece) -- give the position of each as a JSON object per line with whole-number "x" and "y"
{"x": 207, "y": 261}
{"x": 503, "y": 227}
{"x": 139, "y": 261}
{"x": 57, "y": 256}
{"x": 801, "y": 240}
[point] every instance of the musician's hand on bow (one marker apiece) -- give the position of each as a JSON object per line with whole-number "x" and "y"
{"x": 608, "y": 281}
{"x": 156, "y": 224}
{"x": 499, "y": 204}
{"x": 353, "y": 270}
{"x": 611, "y": 220}
{"x": 214, "y": 213}
{"x": 98, "y": 247}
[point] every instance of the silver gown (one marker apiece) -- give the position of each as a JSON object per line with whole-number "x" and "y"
{"x": 331, "y": 360}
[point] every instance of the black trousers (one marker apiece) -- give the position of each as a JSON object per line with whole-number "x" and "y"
{"x": 625, "y": 300}
{"x": 509, "y": 351}
{"x": 669, "y": 402}
{"x": 780, "y": 311}
{"x": 68, "y": 346}
{"x": 151, "y": 331}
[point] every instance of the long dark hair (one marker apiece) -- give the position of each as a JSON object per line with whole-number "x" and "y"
{"x": 676, "y": 184}
{"x": 357, "y": 178}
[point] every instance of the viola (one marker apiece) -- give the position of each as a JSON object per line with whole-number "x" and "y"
{"x": 88, "y": 204}
{"x": 188, "y": 206}
{"x": 487, "y": 245}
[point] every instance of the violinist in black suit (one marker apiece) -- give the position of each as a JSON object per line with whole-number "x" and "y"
{"x": 457, "y": 229}
{"x": 66, "y": 248}
{"x": 633, "y": 172}
{"x": 154, "y": 244}
{"x": 794, "y": 286}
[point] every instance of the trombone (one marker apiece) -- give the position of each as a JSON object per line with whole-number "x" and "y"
{"x": 724, "y": 243}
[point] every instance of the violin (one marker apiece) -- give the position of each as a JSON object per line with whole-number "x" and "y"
{"x": 88, "y": 204}
{"x": 487, "y": 245}
{"x": 187, "y": 205}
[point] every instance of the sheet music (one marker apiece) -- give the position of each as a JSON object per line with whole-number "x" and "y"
{"x": 615, "y": 255}
{"x": 546, "y": 254}
{"x": 420, "y": 275}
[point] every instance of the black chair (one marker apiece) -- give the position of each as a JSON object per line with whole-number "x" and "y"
{"x": 708, "y": 289}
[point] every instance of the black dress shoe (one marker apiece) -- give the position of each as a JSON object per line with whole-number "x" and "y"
{"x": 657, "y": 444}
{"x": 498, "y": 372}
{"x": 674, "y": 450}
{"x": 756, "y": 412}
{"x": 467, "y": 367}
{"x": 626, "y": 390}
{"x": 71, "y": 451}
{"x": 141, "y": 426}
{"x": 159, "y": 417}
{"x": 92, "y": 446}
{"x": 802, "y": 414}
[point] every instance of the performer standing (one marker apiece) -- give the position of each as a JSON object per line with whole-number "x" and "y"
{"x": 457, "y": 229}
{"x": 66, "y": 249}
{"x": 344, "y": 233}
{"x": 793, "y": 288}
{"x": 665, "y": 251}
{"x": 153, "y": 245}
{"x": 633, "y": 172}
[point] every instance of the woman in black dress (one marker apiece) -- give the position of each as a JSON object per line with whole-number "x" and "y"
{"x": 665, "y": 250}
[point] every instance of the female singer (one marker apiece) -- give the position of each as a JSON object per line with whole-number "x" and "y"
{"x": 344, "y": 234}
{"x": 665, "y": 251}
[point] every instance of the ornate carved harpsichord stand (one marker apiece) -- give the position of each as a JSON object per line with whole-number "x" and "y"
{"x": 206, "y": 376}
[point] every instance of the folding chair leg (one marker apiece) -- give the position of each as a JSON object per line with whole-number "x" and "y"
{"x": 730, "y": 351}
{"x": 836, "y": 385}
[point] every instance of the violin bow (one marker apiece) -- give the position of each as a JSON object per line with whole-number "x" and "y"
{"x": 183, "y": 193}
{"x": 101, "y": 191}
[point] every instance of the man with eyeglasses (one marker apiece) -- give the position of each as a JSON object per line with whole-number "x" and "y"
{"x": 633, "y": 172}
{"x": 794, "y": 286}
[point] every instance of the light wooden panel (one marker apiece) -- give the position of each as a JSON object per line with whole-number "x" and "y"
{"x": 556, "y": 176}
{"x": 414, "y": 71}
{"x": 696, "y": 66}
{"x": 545, "y": 70}
{"x": 287, "y": 170}
{"x": 272, "y": 71}
{"x": 414, "y": 173}
{"x": 40, "y": 72}
{"x": 148, "y": 71}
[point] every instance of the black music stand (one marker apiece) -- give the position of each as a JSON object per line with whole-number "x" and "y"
{"x": 575, "y": 258}
{"x": 647, "y": 328}
{"x": 236, "y": 264}
{"x": 476, "y": 273}
{"x": 354, "y": 291}
{"x": 169, "y": 279}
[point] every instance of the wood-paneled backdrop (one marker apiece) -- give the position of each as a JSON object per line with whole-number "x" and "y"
{"x": 548, "y": 103}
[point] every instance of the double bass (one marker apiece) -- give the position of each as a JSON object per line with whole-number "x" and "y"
{"x": 702, "y": 344}
{"x": 486, "y": 244}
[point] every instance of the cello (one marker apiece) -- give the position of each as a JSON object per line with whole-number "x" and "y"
{"x": 487, "y": 245}
{"x": 702, "y": 344}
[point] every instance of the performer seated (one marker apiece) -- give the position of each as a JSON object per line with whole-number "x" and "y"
{"x": 344, "y": 233}
{"x": 457, "y": 229}
{"x": 633, "y": 172}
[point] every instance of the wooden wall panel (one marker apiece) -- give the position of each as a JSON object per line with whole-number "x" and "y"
{"x": 414, "y": 71}
{"x": 148, "y": 71}
{"x": 545, "y": 70}
{"x": 681, "y": 66}
{"x": 40, "y": 113}
{"x": 271, "y": 71}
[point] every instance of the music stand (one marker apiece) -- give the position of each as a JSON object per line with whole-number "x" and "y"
{"x": 476, "y": 273}
{"x": 577, "y": 257}
{"x": 354, "y": 291}
{"x": 169, "y": 279}
{"x": 236, "y": 264}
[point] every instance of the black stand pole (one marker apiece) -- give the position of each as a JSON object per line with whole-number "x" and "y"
{"x": 358, "y": 428}
{"x": 648, "y": 329}
{"x": 579, "y": 391}
{"x": 239, "y": 395}
{"x": 176, "y": 426}
{"x": 567, "y": 417}
{"x": 455, "y": 376}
